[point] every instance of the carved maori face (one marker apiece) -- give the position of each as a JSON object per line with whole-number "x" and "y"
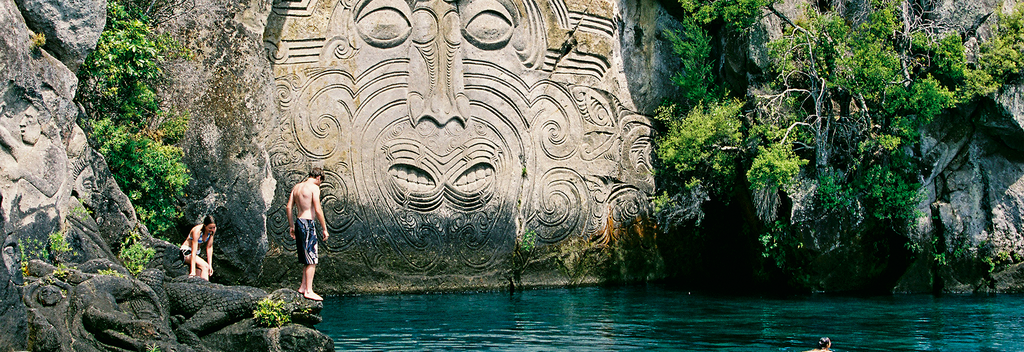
{"x": 30, "y": 129}
{"x": 441, "y": 128}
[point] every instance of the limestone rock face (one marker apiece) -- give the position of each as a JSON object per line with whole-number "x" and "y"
{"x": 51, "y": 179}
{"x": 228, "y": 92}
{"x": 1007, "y": 122}
{"x": 976, "y": 199}
{"x": 649, "y": 52}
{"x": 971, "y": 198}
{"x": 72, "y": 27}
{"x": 13, "y": 314}
{"x": 447, "y": 129}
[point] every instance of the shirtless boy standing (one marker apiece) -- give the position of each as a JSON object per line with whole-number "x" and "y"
{"x": 306, "y": 196}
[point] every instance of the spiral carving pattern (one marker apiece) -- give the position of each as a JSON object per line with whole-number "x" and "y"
{"x": 448, "y": 127}
{"x": 564, "y": 205}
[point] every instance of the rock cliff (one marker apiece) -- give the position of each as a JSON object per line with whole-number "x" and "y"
{"x": 449, "y": 134}
{"x": 56, "y": 190}
{"x": 475, "y": 144}
{"x": 967, "y": 235}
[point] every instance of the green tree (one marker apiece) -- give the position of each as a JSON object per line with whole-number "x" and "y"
{"x": 855, "y": 94}
{"x": 125, "y": 118}
{"x": 695, "y": 79}
{"x": 736, "y": 13}
{"x": 702, "y": 146}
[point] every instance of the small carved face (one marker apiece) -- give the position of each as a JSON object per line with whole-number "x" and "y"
{"x": 30, "y": 130}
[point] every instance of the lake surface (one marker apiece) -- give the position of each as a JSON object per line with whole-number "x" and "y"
{"x": 657, "y": 318}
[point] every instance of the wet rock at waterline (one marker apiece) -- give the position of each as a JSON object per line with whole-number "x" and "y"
{"x": 71, "y": 309}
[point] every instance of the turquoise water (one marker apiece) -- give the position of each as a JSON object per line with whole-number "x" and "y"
{"x": 656, "y": 318}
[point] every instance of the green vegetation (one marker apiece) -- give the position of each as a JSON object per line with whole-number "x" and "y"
{"x": 271, "y": 313}
{"x": 824, "y": 62}
{"x": 521, "y": 256}
{"x": 31, "y": 249}
{"x": 528, "y": 241}
{"x": 125, "y": 119}
{"x": 58, "y": 246}
{"x": 79, "y": 211}
{"x": 701, "y": 145}
{"x": 62, "y": 272}
{"x": 134, "y": 255}
{"x": 110, "y": 272}
{"x": 842, "y": 103}
{"x": 38, "y": 41}
{"x": 737, "y": 13}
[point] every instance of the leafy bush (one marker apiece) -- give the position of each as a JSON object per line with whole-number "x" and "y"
{"x": 695, "y": 78}
{"x": 1002, "y": 56}
{"x": 737, "y": 13}
{"x": 528, "y": 241}
{"x": 152, "y": 174}
{"x": 271, "y": 313}
{"x": 774, "y": 167}
{"x": 134, "y": 255}
{"x": 62, "y": 272}
{"x": 701, "y": 147}
{"x": 58, "y": 246}
{"x": 31, "y": 249}
{"x": 125, "y": 117}
{"x": 888, "y": 195}
{"x": 832, "y": 195}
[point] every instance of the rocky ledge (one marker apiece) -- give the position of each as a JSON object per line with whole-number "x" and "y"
{"x": 99, "y": 306}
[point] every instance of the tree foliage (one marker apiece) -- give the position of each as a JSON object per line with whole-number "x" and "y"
{"x": 843, "y": 103}
{"x": 701, "y": 147}
{"x": 737, "y": 13}
{"x": 125, "y": 119}
{"x": 861, "y": 92}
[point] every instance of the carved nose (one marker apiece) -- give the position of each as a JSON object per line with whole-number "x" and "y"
{"x": 436, "y": 89}
{"x": 442, "y": 105}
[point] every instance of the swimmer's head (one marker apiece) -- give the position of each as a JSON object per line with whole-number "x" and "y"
{"x": 824, "y": 342}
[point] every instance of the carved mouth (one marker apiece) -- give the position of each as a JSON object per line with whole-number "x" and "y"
{"x": 474, "y": 179}
{"x": 411, "y": 178}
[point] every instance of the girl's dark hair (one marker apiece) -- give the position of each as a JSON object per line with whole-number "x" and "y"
{"x": 824, "y": 342}
{"x": 208, "y": 220}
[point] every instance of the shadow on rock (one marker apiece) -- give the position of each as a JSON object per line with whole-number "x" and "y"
{"x": 78, "y": 309}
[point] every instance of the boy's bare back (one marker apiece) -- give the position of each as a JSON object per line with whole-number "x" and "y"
{"x": 302, "y": 196}
{"x": 306, "y": 197}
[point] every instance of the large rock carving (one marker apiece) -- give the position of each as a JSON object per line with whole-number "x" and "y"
{"x": 447, "y": 128}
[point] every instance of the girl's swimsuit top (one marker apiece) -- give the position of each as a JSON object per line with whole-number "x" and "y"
{"x": 204, "y": 238}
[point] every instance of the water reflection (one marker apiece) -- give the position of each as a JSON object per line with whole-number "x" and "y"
{"x": 656, "y": 318}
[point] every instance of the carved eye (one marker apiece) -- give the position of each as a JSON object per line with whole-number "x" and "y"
{"x": 490, "y": 24}
{"x": 383, "y": 24}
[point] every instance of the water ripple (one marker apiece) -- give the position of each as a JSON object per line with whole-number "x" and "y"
{"x": 657, "y": 318}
